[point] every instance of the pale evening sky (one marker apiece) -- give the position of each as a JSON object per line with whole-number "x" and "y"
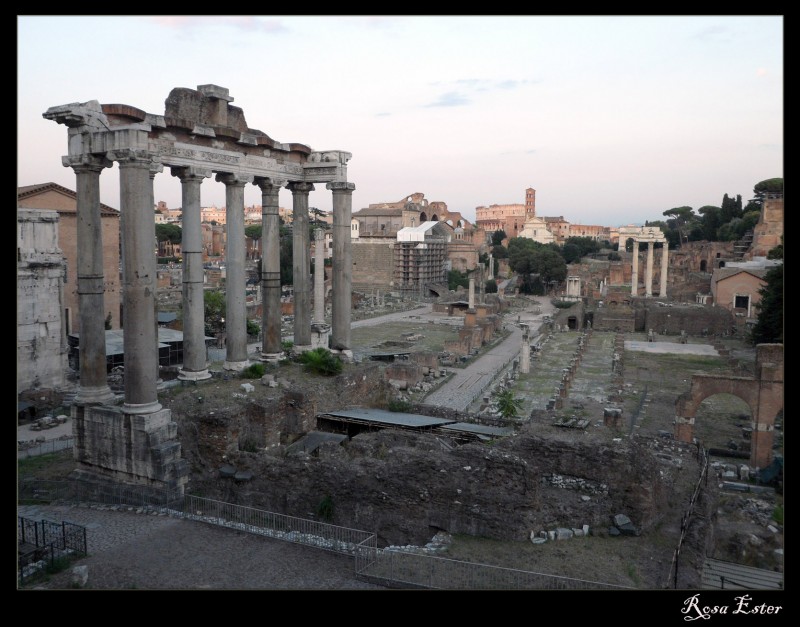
{"x": 612, "y": 119}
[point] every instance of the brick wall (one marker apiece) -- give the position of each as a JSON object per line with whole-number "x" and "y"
{"x": 373, "y": 264}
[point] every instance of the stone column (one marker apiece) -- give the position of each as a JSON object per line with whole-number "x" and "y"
{"x": 235, "y": 309}
{"x": 301, "y": 266}
{"x": 94, "y": 389}
{"x": 342, "y": 278}
{"x": 648, "y": 277}
{"x": 319, "y": 277}
{"x": 491, "y": 266}
{"x": 662, "y": 292}
{"x": 525, "y": 354}
{"x": 195, "y": 365}
{"x": 471, "y": 294}
{"x": 270, "y": 270}
{"x": 155, "y": 168}
{"x": 635, "y": 270}
{"x": 138, "y": 281}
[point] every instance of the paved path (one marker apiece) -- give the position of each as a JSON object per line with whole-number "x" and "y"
{"x": 467, "y": 384}
{"x": 138, "y": 551}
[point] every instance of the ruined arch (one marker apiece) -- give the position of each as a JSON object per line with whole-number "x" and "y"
{"x": 763, "y": 394}
{"x": 434, "y": 218}
{"x": 702, "y": 265}
{"x": 423, "y": 217}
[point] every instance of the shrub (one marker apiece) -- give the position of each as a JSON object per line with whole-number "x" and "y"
{"x": 325, "y": 509}
{"x": 254, "y": 371}
{"x": 321, "y": 361}
{"x": 253, "y": 328}
{"x": 397, "y": 404}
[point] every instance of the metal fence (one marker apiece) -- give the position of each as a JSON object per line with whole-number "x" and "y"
{"x": 98, "y": 492}
{"x": 43, "y": 542}
{"x": 43, "y": 448}
{"x": 312, "y": 533}
{"x": 386, "y": 567}
{"x": 403, "y": 569}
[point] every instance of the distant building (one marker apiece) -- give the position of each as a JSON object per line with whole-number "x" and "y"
{"x": 376, "y": 229}
{"x": 420, "y": 256}
{"x": 41, "y": 340}
{"x": 507, "y": 218}
{"x": 768, "y": 231}
{"x": 51, "y": 196}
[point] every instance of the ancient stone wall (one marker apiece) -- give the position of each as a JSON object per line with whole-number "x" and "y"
{"x": 41, "y": 346}
{"x": 698, "y": 320}
{"x": 767, "y": 233}
{"x": 373, "y": 264}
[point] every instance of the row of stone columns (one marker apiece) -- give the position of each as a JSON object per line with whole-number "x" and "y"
{"x": 649, "y": 270}
{"x": 137, "y": 170}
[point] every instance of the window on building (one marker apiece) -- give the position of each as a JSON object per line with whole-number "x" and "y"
{"x": 741, "y": 302}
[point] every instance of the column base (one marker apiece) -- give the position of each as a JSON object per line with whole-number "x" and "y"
{"x": 272, "y": 358}
{"x": 298, "y": 349}
{"x": 193, "y": 375}
{"x": 142, "y": 408}
{"x": 237, "y": 366}
{"x": 100, "y": 395}
{"x": 345, "y": 354}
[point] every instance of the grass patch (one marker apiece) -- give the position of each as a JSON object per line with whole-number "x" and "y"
{"x": 254, "y": 371}
{"x": 777, "y": 514}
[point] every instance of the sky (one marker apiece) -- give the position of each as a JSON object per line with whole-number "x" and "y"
{"x": 611, "y": 119}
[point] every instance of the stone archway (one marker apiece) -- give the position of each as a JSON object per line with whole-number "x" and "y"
{"x": 763, "y": 394}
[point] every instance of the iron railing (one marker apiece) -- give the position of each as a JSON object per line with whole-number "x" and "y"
{"x": 387, "y": 567}
{"x": 42, "y": 542}
{"x": 312, "y": 533}
{"x": 399, "y": 568}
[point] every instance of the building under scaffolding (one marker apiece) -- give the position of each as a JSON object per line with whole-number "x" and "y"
{"x": 420, "y": 257}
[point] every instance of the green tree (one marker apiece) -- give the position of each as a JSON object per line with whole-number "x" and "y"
{"x": 214, "y": 311}
{"x": 680, "y": 219}
{"x": 585, "y": 246}
{"x": 769, "y": 326}
{"x": 711, "y": 220}
{"x": 571, "y": 252}
{"x": 507, "y": 404}
{"x": 169, "y": 233}
{"x": 253, "y": 328}
{"x": 528, "y": 258}
{"x": 315, "y": 214}
{"x": 499, "y": 252}
{"x": 490, "y": 287}
{"x": 730, "y": 208}
{"x": 456, "y": 279}
{"x": 253, "y": 231}
{"x": 767, "y": 186}
{"x": 498, "y": 237}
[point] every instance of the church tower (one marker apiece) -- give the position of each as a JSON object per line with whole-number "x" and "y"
{"x": 530, "y": 203}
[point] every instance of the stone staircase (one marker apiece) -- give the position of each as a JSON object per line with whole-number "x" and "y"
{"x": 742, "y": 246}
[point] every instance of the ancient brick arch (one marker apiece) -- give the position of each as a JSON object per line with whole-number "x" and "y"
{"x": 762, "y": 393}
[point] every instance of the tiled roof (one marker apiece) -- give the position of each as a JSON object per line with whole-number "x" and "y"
{"x": 28, "y": 191}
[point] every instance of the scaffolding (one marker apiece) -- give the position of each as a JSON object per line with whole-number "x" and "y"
{"x": 418, "y": 264}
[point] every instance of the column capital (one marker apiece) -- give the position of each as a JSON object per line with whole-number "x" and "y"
{"x": 237, "y": 180}
{"x": 130, "y": 157}
{"x": 299, "y": 187}
{"x": 340, "y": 186}
{"x": 188, "y": 173}
{"x": 268, "y": 183}
{"x": 86, "y": 163}
{"x": 156, "y": 168}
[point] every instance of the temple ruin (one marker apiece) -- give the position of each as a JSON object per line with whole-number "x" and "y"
{"x": 199, "y": 134}
{"x": 651, "y": 235}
